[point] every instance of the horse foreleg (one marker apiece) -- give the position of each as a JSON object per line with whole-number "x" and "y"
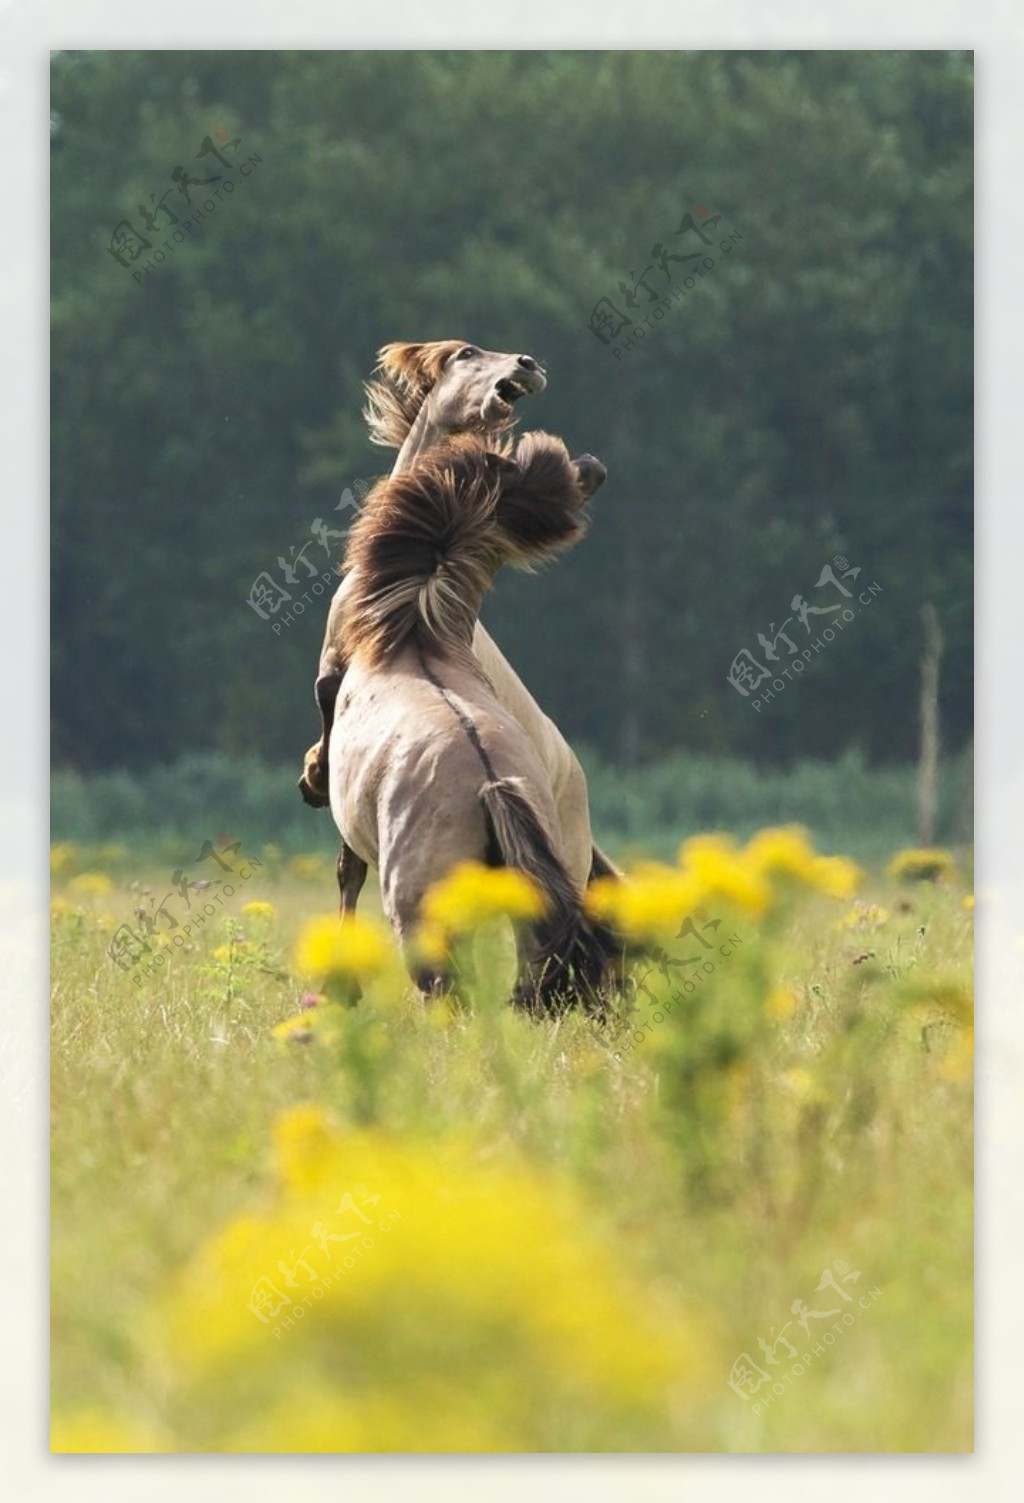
{"x": 313, "y": 784}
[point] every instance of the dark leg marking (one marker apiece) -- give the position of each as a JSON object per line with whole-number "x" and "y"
{"x": 351, "y": 876}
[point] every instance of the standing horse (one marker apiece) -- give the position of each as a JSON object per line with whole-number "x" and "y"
{"x": 421, "y": 395}
{"x": 427, "y": 766}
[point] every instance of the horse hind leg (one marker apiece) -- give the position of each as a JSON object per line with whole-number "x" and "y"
{"x": 351, "y": 876}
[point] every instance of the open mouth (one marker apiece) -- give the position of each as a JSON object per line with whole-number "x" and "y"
{"x": 507, "y": 390}
{"x": 510, "y": 390}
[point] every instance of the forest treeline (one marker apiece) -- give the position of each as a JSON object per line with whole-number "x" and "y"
{"x": 795, "y": 412}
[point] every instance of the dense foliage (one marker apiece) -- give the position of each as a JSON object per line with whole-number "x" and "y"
{"x": 809, "y": 397}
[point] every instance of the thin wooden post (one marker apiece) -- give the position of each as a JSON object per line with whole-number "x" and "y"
{"x": 928, "y": 765}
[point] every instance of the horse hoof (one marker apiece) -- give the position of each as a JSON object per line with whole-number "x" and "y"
{"x": 591, "y": 473}
{"x": 313, "y": 796}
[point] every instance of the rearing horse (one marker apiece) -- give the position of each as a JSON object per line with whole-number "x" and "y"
{"x": 427, "y": 766}
{"x": 421, "y": 395}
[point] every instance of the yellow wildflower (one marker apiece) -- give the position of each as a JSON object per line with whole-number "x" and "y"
{"x": 650, "y": 901}
{"x": 927, "y": 865}
{"x": 865, "y": 916}
{"x": 969, "y": 902}
{"x": 957, "y": 1064}
{"x": 258, "y": 909}
{"x": 312, "y": 1023}
{"x": 781, "y": 1004}
{"x": 836, "y": 876}
{"x": 91, "y": 885}
{"x": 782, "y": 850}
{"x": 429, "y": 1281}
{"x": 722, "y": 873}
{"x": 62, "y": 857}
{"x": 309, "y": 867}
{"x": 432, "y": 944}
{"x": 801, "y": 1084}
{"x": 111, "y": 854}
{"x": 352, "y": 946}
{"x": 91, "y": 1431}
{"x": 473, "y": 894}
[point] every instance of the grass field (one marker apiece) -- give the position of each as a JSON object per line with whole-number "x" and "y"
{"x": 734, "y": 1216}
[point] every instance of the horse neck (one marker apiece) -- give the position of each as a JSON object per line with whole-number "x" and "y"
{"x": 425, "y": 432}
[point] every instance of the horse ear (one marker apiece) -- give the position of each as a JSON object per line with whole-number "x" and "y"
{"x": 402, "y": 362}
{"x": 417, "y": 366}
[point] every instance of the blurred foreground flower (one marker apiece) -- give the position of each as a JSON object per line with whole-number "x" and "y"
{"x": 473, "y": 894}
{"x": 714, "y": 872}
{"x": 396, "y": 1295}
{"x": 352, "y": 947}
{"x": 649, "y": 900}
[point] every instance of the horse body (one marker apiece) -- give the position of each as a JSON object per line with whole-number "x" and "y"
{"x": 427, "y": 766}
{"x": 423, "y": 396}
{"x": 406, "y": 773}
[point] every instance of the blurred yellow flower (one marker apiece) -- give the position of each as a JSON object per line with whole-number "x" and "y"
{"x": 309, "y": 867}
{"x": 649, "y": 901}
{"x": 835, "y": 876}
{"x": 312, "y": 1023}
{"x": 352, "y": 946}
{"x": 432, "y": 943}
{"x": 91, "y": 1431}
{"x": 802, "y": 1085}
{"x": 473, "y": 894}
{"x": 786, "y": 851}
{"x": 112, "y": 854}
{"x": 62, "y": 858}
{"x": 91, "y": 885}
{"x": 969, "y": 902}
{"x": 722, "y": 873}
{"x": 396, "y": 1351}
{"x": 782, "y": 850}
{"x": 921, "y": 865}
{"x": 258, "y": 909}
{"x": 865, "y": 916}
{"x": 780, "y": 1004}
{"x": 957, "y": 1064}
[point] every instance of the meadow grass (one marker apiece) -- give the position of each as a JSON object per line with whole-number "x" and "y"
{"x": 593, "y": 1219}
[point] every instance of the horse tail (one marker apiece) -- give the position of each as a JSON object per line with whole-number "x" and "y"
{"x": 570, "y": 958}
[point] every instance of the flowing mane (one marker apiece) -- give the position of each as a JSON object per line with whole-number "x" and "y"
{"x": 401, "y": 382}
{"x": 428, "y": 541}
